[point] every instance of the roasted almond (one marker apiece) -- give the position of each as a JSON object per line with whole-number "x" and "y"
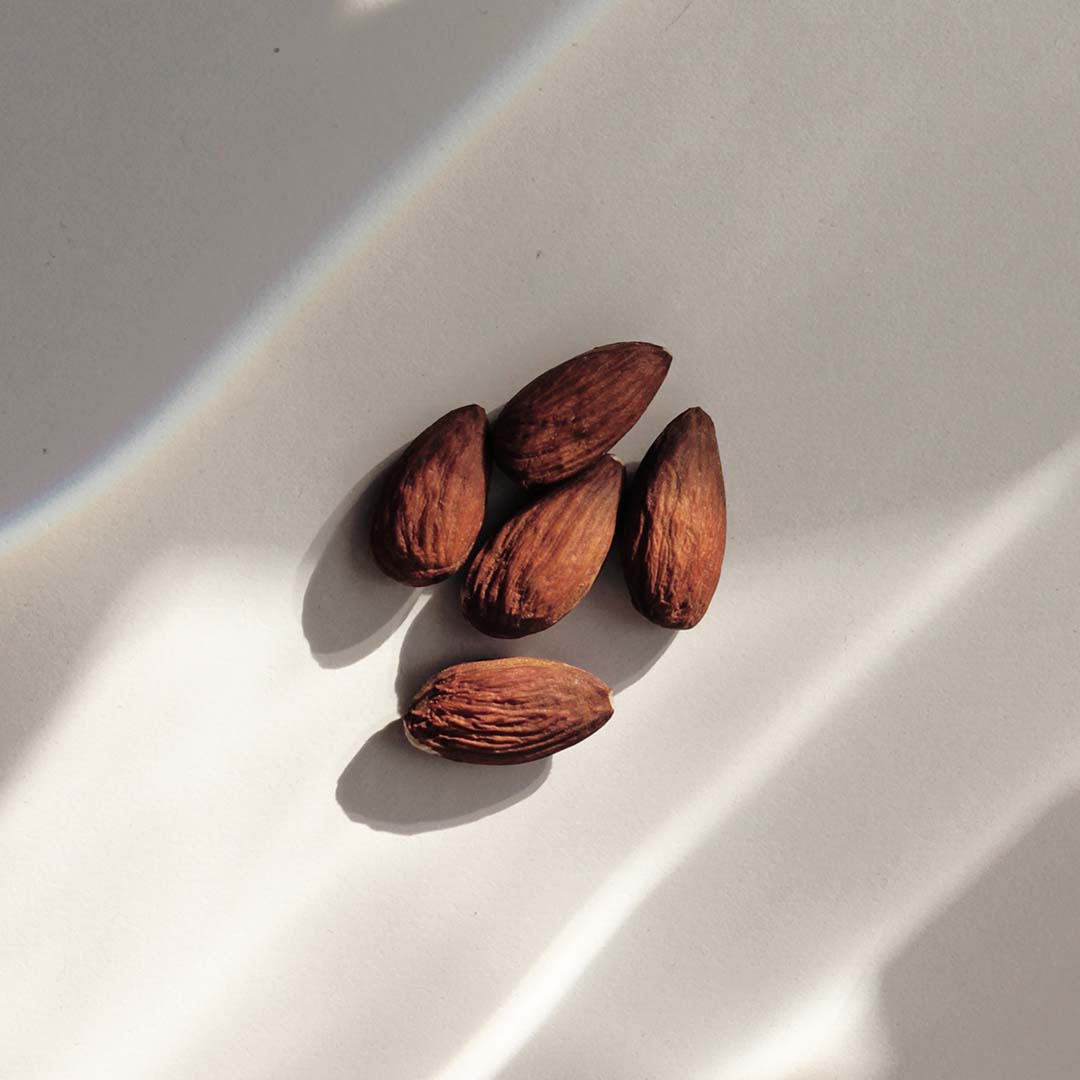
{"x": 540, "y": 564}
{"x": 503, "y": 712}
{"x": 566, "y": 418}
{"x": 431, "y": 506}
{"x": 674, "y": 524}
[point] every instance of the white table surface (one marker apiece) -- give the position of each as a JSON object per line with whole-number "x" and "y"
{"x": 251, "y": 249}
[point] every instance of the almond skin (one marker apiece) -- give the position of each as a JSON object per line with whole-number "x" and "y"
{"x": 674, "y": 525}
{"x": 431, "y": 506}
{"x": 540, "y": 564}
{"x": 566, "y": 418}
{"x": 504, "y": 712}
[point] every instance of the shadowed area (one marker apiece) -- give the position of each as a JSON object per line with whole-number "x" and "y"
{"x": 394, "y": 787}
{"x": 350, "y": 606}
{"x": 194, "y": 162}
{"x": 989, "y": 989}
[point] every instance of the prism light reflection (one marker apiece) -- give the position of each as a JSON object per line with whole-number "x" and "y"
{"x": 299, "y": 288}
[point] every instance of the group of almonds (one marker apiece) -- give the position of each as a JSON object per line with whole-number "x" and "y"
{"x": 552, "y": 438}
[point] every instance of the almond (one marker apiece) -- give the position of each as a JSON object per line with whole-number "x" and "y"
{"x": 431, "y": 506}
{"x": 566, "y": 418}
{"x": 503, "y": 712}
{"x": 540, "y": 564}
{"x": 674, "y": 525}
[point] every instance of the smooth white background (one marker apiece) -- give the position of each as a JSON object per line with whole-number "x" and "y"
{"x": 249, "y": 250}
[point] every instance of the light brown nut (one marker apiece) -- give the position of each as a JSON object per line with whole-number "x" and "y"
{"x": 566, "y": 418}
{"x": 674, "y": 525}
{"x": 503, "y": 712}
{"x": 540, "y": 564}
{"x": 431, "y": 506}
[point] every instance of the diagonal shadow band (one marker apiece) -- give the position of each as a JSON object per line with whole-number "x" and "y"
{"x": 989, "y": 986}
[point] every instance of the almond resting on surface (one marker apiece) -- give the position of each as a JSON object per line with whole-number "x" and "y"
{"x": 566, "y": 418}
{"x": 504, "y": 712}
{"x": 431, "y": 506}
{"x": 674, "y": 524}
{"x": 540, "y": 564}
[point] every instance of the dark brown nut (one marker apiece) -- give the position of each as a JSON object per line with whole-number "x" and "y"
{"x": 431, "y": 507}
{"x": 504, "y": 712}
{"x": 674, "y": 525}
{"x": 541, "y": 563}
{"x": 566, "y": 418}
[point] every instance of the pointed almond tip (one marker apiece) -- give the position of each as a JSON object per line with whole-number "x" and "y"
{"x": 473, "y": 411}
{"x": 414, "y": 741}
{"x": 695, "y": 416}
{"x": 656, "y": 353}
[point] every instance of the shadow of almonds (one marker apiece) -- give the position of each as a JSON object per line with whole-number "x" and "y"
{"x": 350, "y": 606}
{"x": 603, "y": 635}
{"x": 391, "y": 786}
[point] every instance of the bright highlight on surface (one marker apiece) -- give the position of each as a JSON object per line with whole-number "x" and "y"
{"x": 963, "y": 562}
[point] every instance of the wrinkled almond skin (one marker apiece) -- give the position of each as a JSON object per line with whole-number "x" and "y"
{"x": 504, "y": 712}
{"x": 431, "y": 506}
{"x": 540, "y": 564}
{"x": 566, "y": 418}
{"x": 674, "y": 524}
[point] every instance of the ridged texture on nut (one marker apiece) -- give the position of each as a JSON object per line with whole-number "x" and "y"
{"x": 674, "y": 524}
{"x": 503, "y": 712}
{"x": 566, "y": 418}
{"x": 431, "y": 507}
{"x": 540, "y": 564}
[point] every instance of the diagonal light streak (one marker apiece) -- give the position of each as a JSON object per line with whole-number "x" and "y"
{"x": 965, "y": 559}
{"x": 836, "y": 1029}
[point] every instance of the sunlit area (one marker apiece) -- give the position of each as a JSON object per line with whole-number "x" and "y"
{"x": 969, "y": 554}
{"x": 837, "y": 1034}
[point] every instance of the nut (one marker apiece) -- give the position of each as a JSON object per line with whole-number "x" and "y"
{"x": 503, "y": 712}
{"x": 431, "y": 506}
{"x": 566, "y": 418}
{"x": 540, "y": 564}
{"x": 674, "y": 525}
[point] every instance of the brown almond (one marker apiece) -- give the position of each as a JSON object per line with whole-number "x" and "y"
{"x": 431, "y": 506}
{"x": 674, "y": 525}
{"x": 566, "y": 418}
{"x": 503, "y": 712}
{"x": 540, "y": 564}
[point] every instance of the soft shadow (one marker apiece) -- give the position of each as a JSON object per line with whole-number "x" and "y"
{"x": 350, "y": 606}
{"x": 603, "y": 635}
{"x": 990, "y": 988}
{"x": 504, "y": 497}
{"x": 393, "y": 787}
